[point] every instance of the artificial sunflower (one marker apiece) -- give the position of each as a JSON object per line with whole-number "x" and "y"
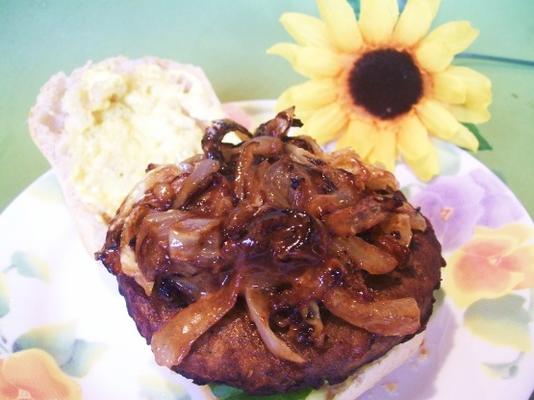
{"x": 381, "y": 84}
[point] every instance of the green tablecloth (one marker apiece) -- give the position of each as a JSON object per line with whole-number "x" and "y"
{"x": 228, "y": 39}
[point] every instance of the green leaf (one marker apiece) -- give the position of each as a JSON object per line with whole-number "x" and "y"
{"x": 57, "y": 340}
{"x": 483, "y": 144}
{"x": 4, "y": 296}
{"x": 501, "y": 371}
{"x": 84, "y": 354}
{"x": 30, "y": 265}
{"x": 502, "y": 321}
{"x": 223, "y": 392}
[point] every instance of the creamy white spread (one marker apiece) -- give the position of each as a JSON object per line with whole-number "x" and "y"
{"x": 119, "y": 121}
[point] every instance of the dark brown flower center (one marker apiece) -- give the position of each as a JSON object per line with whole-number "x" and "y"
{"x": 387, "y": 83}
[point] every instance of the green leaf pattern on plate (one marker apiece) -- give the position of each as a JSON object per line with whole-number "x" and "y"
{"x": 4, "y": 295}
{"x": 30, "y": 265}
{"x": 74, "y": 356}
{"x": 503, "y": 321}
{"x": 154, "y": 387}
{"x": 503, "y": 370}
{"x": 82, "y": 358}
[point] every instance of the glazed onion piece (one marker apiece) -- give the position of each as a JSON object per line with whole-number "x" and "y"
{"x": 215, "y": 133}
{"x": 280, "y": 125}
{"x": 367, "y": 256}
{"x": 370, "y": 211}
{"x": 380, "y": 179}
{"x": 151, "y": 243}
{"x": 158, "y": 175}
{"x": 171, "y": 343}
{"x": 256, "y": 147}
{"x": 194, "y": 239}
{"x": 417, "y": 221}
{"x": 312, "y": 316}
{"x": 398, "y": 317}
{"x": 303, "y": 157}
{"x": 398, "y": 225}
{"x": 277, "y": 184}
{"x": 198, "y": 180}
{"x": 259, "y": 311}
{"x": 307, "y": 143}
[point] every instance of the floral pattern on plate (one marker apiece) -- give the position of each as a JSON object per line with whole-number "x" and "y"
{"x": 65, "y": 330}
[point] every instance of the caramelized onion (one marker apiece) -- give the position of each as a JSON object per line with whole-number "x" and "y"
{"x": 398, "y": 317}
{"x": 312, "y": 316}
{"x": 258, "y": 310}
{"x": 194, "y": 238}
{"x": 380, "y": 179}
{"x": 151, "y": 243}
{"x": 369, "y": 212}
{"x": 398, "y": 225}
{"x": 303, "y": 157}
{"x": 173, "y": 341}
{"x": 161, "y": 174}
{"x": 349, "y": 161}
{"x": 279, "y": 126}
{"x": 367, "y": 256}
{"x": 199, "y": 178}
{"x": 215, "y": 133}
{"x": 417, "y": 221}
{"x": 307, "y": 143}
{"x": 264, "y": 146}
{"x": 282, "y": 213}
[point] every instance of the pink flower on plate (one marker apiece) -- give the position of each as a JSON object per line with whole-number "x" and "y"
{"x": 455, "y": 204}
{"x": 492, "y": 264}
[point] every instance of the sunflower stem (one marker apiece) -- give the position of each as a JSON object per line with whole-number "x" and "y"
{"x": 499, "y": 59}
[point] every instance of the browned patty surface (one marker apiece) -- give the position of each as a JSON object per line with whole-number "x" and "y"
{"x": 233, "y": 353}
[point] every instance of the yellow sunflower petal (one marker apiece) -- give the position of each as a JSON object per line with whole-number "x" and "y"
{"x": 304, "y": 114}
{"x": 305, "y": 29}
{"x": 465, "y": 138}
{"x": 315, "y": 93}
{"x": 341, "y": 24}
{"x": 325, "y": 123}
{"x": 360, "y": 136}
{"x": 466, "y": 114}
{"x": 449, "y": 88}
{"x": 413, "y": 140}
{"x": 436, "y": 51}
{"x": 377, "y": 20}
{"x": 425, "y": 168}
{"x": 285, "y": 100}
{"x": 438, "y": 120}
{"x": 384, "y": 151}
{"x": 312, "y": 62}
{"x": 415, "y": 21}
{"x": 478, "y": 86}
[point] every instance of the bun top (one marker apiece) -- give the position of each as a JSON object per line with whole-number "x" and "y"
{"x": 104, "y": 124}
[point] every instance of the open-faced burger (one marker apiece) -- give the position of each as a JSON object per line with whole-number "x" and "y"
{"x": 271, "y": 265}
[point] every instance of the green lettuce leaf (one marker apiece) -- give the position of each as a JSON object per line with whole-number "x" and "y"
{"x": 223, "y": 392}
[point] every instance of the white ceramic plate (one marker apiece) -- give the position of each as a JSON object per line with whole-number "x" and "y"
{"x": 55, "y": 297}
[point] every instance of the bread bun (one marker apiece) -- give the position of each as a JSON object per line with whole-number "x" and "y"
{"x": 369, "y": 375}
{"x": 66, "y": 101}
